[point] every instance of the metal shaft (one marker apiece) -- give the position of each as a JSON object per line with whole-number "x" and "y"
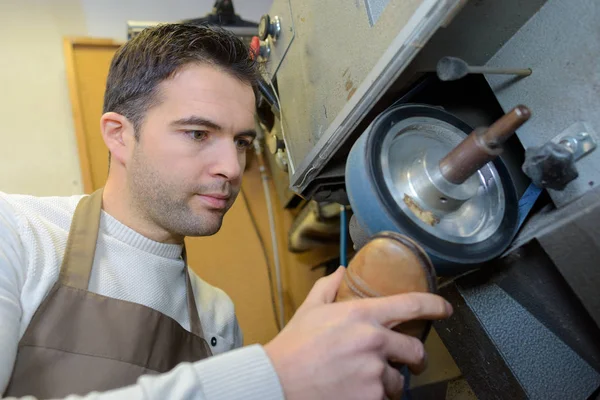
{"x": 481, "y": 146}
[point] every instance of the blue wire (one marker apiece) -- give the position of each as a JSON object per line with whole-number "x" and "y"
{"x": 406, "y": 394}
{"x": 343, "y": 236}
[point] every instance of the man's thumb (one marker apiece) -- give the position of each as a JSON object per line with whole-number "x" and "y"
{"x": 325, "y": 289}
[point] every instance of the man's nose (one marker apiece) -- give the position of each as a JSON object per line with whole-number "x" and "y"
{"x": 226, "y": 161}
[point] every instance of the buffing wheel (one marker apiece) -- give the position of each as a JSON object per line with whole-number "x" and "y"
{"x": 388, "y": 177}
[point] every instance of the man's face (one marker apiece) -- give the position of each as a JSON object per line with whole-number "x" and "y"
{"x": 185, "y": 172}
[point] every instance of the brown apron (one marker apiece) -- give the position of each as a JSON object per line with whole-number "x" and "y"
{"x": 79, "y": 341}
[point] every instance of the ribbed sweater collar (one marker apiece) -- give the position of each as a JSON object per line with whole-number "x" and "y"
{"x": 125, "y": 234}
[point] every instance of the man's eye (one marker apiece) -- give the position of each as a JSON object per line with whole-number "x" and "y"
{"x": 243, "y": 144}
{"x": 197, "y": 135}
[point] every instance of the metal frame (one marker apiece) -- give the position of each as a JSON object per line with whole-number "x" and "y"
{"x": 421, "y": 26}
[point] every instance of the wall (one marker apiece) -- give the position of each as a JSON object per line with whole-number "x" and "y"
{"x": 108, "y": 18}
{"x": 38, "y": 151}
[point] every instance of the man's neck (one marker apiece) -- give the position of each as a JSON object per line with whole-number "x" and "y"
{"x": 117, "y": 201}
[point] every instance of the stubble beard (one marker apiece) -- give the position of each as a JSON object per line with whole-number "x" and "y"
{"x": 167, "y": 203}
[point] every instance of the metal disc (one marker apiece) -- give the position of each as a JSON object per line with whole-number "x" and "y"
{"x": 409, "y": 143}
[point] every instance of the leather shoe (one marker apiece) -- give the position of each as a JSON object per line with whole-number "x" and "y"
{"x": 389, "y": 264}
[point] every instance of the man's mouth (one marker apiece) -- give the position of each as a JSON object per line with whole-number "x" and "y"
{"x": 215, "y": 200}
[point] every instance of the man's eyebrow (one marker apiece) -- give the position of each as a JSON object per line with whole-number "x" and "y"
{"x": 249, "y": 132}
{"x": 198, "y": 121}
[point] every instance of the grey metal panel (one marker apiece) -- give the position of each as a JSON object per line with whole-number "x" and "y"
{"x": 477, "y": 33}
{"x": 544, "y": 365}
{"x": 560, "y": 43}
{"x": 338, "y": 65}
{"x": 570, "y": 236}
{"x": 573, "y": 244}
{"x": 287, "y": 35}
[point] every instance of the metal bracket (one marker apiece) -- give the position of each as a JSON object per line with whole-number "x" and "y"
{"x": 579, "y": 138}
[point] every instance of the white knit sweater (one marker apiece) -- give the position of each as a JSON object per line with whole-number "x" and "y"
{"x": 131, "y": 267}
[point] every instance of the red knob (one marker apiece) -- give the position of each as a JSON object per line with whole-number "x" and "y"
{"x": 254, "y": 47}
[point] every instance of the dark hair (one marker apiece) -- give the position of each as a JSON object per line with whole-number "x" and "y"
{"x": 157, "y": 53}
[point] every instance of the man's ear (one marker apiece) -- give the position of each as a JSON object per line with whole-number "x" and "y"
{"x": 118, "y": 135}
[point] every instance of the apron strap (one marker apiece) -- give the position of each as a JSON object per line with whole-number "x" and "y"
{"x": 78, "y": 260}
{"x": 81, "y": 245}
{"x": 195, "y": 324}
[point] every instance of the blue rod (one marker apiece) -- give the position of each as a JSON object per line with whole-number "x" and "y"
{"x": 343, "y": 236}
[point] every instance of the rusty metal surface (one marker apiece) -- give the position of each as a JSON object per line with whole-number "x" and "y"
{"x": 338, "y": 64}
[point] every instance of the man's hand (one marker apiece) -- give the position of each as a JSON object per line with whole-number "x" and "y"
{"x": 341, "y": 350}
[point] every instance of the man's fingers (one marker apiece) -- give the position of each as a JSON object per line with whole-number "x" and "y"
{"x": 392, "y": 310}
{"x": 404, "y": 350}
{"x": 393, "y": 383}
{"x": 325, "y": 289}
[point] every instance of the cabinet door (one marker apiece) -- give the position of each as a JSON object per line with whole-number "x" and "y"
{"x": 87, "y": 62}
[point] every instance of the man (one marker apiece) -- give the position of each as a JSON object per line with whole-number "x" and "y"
{"x": 95, "y": 293}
